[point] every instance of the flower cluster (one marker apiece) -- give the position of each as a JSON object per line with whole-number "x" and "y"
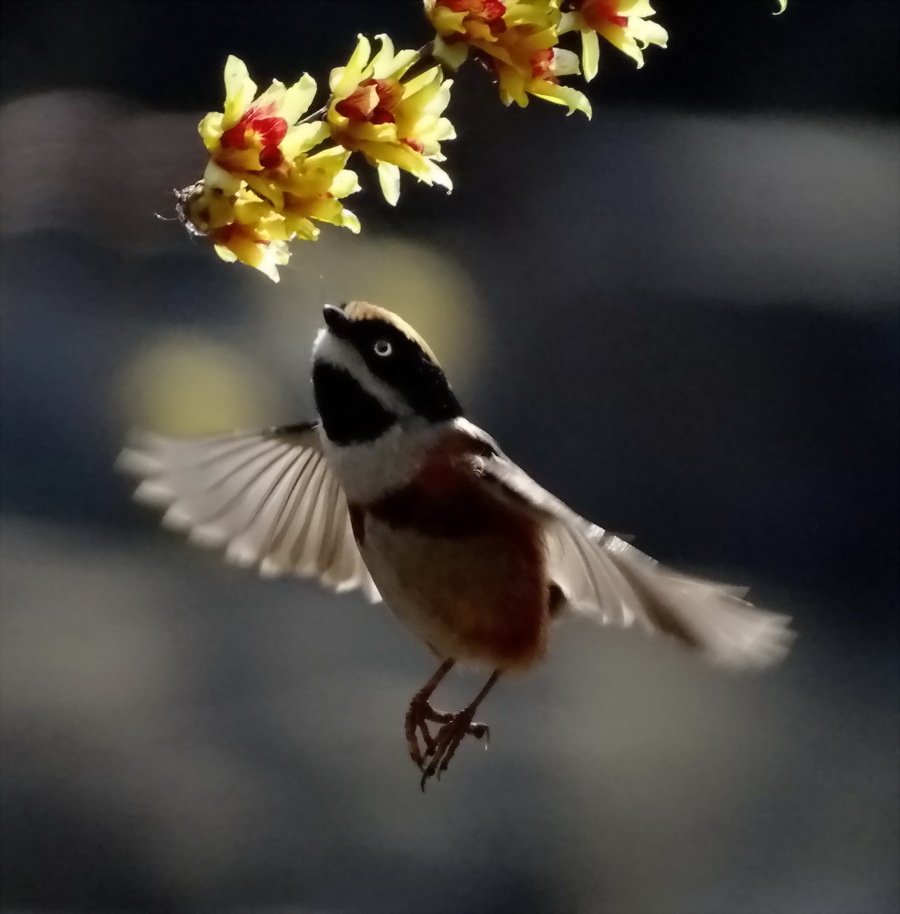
{"x": 392, "y": 118}
{"x": 516, "y": 39}
{"x": 275, "y": 171}
{"x": 625, "y": 24}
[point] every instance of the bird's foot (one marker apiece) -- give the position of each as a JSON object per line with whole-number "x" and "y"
{"x": 442, "y": 747}
{"x": 419, "y": 715}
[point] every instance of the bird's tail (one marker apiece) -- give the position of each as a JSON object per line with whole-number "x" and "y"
{"x": 711, "y": 618}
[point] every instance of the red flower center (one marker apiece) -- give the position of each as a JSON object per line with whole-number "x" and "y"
{"x": 489, "y": 12}
{"x": 372, "y": 101}
{"x": 542, "y": 65}
{"x": 486, "y": 10}
{"x": 598, "y": 13}
{"x": 258, "y": 126}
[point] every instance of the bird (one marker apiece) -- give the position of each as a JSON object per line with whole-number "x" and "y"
{"x": 393, "y": 492}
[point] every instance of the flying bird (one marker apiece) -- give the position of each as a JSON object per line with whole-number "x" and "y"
{"x": 394, "y": 492}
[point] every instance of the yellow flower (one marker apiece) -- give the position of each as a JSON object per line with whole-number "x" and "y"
{"x": 395, "y": 124}
{"x": 250, "y": 136}
{"x": 240, "y": 226}
{"x": 314, "y": 190}
{"x": 461, "y": 24}
{"x": 527, "y": 62}
{"x": 624, "y": 23}
{"x": 517, "y": 39}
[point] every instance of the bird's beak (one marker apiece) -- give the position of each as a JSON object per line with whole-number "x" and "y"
{"x": 336, "y": 321}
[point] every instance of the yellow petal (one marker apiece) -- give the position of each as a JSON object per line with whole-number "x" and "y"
{"x": 444, "y": 130}
{"x": 389, "y": 179}
{"x": 499, "y": 53}
{"x": 631, "y": 8}
{"x": 268, "y": 192}
{"x": 272, "y": 99}
{"x": 647, "y": 32}
{"x": 302, "y": 228}
{"x": 529, "y": 13}
{"x": 332, "y": 158}
{"x": 351, "y": 222}
{"x": 547, "y": 38}
{"x": 225, "y": 253}
{"x": 345, "y": 183}
{"x": 420, "y": 82}
{"x": 297, "y": 99}
{"x": 441, "y": 97}
{"x": 512, "y": 87}
{"x": 568, "y": 23}
{"x": 210, "y": 129}
{"x": 239, "y": 90}
{"x": 619, "y": 37}
{"x": 214, "y": 176}
{"x": 590, "y": 53}
{"x": 565, "y": 63}
{"x": 250, "y": 210}
{"x": 431, "y": 99}
{"x": 561, "y": 95}
{"x": 398, "y": 154}
{"x": 445, "y": 21}
{"x": 453, "y": 55}
{"x": 386, "y": 63}
{"x": 377, "y": 133}
{"x": 437, "y": 175}
{"x": 275, "y": 255}
{"x": 382, "y": 61}
{"x": 304, "y": 137}
{"x": 344, "y": 79}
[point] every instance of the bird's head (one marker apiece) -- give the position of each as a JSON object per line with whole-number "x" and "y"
{"x": 371, "y": 370}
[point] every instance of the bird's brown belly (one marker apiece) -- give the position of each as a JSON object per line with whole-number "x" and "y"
{"x": 472, "y": 585}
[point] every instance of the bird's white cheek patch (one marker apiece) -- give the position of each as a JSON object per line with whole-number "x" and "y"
{"x": 328, "y": 348}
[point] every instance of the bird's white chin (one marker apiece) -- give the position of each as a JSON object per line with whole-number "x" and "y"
{"x": 328, "y": 348}
{"x": 320, "y": 337}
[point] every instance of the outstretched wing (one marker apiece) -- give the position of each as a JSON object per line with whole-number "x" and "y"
{"x": 268, "y": 498}
{"x": 602, "y": 575}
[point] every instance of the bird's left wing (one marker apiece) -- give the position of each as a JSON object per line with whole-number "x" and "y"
{"x": 600, "y": 574}
{"x": 268, "y": 498}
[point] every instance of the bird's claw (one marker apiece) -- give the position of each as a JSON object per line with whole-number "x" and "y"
{"x": 453, "y": 730}
{"x": 418, "y": 716}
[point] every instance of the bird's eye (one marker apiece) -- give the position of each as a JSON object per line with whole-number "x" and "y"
{"x": 382, "y": 347}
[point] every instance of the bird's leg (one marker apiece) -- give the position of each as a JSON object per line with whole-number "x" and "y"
{"x": 454, "y": 730}
{"x": 420, "y": 713}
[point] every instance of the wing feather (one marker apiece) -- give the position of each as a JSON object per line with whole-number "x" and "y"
{"x": 267, "y": 498}
{"x": 602, "y": 575}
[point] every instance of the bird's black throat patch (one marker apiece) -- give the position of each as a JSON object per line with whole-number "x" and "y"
{"x": 349, "y": 414}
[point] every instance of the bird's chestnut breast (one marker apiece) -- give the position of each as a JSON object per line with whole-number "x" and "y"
{"x": 460, "y": 565}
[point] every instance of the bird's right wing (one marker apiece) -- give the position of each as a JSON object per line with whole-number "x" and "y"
{"x": 268, "y": 498}
{"x": 602, "y": 575}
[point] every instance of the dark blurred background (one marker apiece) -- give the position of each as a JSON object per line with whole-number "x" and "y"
{"x": 680, "y": 316}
